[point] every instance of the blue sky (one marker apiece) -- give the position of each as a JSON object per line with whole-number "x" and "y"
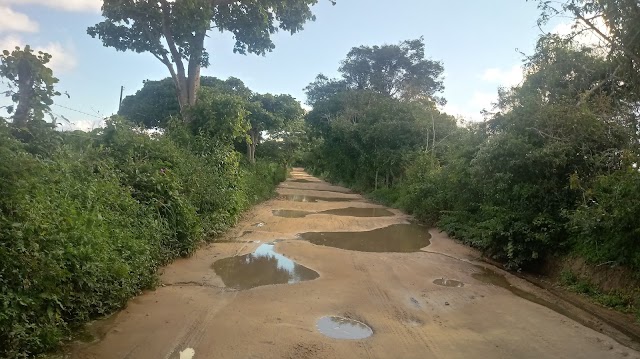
{"x": 477, "y": 41}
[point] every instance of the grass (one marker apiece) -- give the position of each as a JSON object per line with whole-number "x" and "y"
{"x": 623, "y": 302}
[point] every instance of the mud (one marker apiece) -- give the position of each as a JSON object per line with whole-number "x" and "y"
{"x": 403, "y": 238}
{"x": 262, "y": 267}
{"x": 194, "y": 311}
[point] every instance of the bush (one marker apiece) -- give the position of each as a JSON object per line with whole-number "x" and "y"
{"x": 85, "y": 225}
{"x": 606, "y": 228}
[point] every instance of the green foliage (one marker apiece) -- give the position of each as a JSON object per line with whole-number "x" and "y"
{"x": 605, "y": 227}
{"x": 31, "y": 84}
{"x": 85, "y": 228}
{"x": 400, "y": 71}
{"x": 146, "y": 26}
{"x": 552, "y": 170}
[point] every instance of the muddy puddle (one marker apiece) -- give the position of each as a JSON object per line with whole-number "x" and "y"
{"x": 448, "y": 283}
{"x": 395, "y": 238}
{"x": 289, "y": 213}
{"x": 346, "y": 212}
{"x": 359, "y": 212}
{"x": 314, "y": 199}
{"x": 343, "y": 328}
{"x": 262, "y": 267}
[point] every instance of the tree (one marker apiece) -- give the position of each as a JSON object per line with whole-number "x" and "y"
{"x": 274, "y": 114}
{"x": 31, "y": 83}
{"x": 400, "y": 71}
{"x": 147, "y": 25}
{"x": 616, "y": 23}
{"x": 152, "y": 105}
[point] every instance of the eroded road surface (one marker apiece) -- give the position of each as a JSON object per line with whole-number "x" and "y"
{"x": 320, "y": 273}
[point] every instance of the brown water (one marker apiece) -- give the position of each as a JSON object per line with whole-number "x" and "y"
{"x": 360, "y": 212}
{"x": 314, "y": 199}
{"x": 262, "y": 267}
{"x": 289, "y": 213}
{"x": 343, "y": 328}
{"x": 394, "y": 238}
{"x": 346, "y": 212}
{"x": 448, "y": 282}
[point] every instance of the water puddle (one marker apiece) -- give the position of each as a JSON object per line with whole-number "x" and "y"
{"x": 262, "y": 267}
{"x": 288, "y": 213}
{"x": 448, "y": 283}
{"x": 395, "y": 238}
{"x": 360, "y": 212}
{"x": 314, "y": 199}
{"x": 346, "y": 212}
{"x": 343, "y": 328}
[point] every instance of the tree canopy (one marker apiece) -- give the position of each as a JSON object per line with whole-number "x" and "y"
{"x": 32, "y": 84}
{"x": 174, "y": 31}
{"x": 400, "y": 71}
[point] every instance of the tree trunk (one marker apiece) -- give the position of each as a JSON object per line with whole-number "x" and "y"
{"x": 25, "y": 94}
{"x": 251, "y": 146}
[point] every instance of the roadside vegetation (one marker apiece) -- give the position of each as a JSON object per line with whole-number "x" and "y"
{"x": 551, "y": 171}
{"x": 87, "y": 218}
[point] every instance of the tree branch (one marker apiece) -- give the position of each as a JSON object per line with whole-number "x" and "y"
{"x": 601, "y": 83}
{"x": 168, "y": 35}
{"x": 629, "y": 53}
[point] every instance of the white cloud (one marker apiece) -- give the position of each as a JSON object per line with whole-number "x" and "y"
{"x": 63, "y": 58}
{"x": 66, "y": 5}
{"x": 507, "y": 78}
{"x": 14, "y": 21}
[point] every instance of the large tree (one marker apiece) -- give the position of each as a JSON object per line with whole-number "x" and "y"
{"x": 400, "y": 71}
{"x": 174, "y": 31}
{"x": 273, "y": 114}
{"x": 155, "y": 102}
{"x": 31, "y": 83}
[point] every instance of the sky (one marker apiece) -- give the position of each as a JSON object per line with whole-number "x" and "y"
{"x": 480, "y": 44}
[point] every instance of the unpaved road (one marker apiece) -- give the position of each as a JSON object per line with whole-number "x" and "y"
{"x": 411, "y": 317}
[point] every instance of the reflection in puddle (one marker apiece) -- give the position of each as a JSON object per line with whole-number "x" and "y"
{"x": 314, "y": 199}
{"x": 290, "y": 213}
{"x": 448, "y": 283}
{"x": 262, "y": 267}
{"x": 359, "y": 212}
{"x": 346, "y": 212}
{"x": 394, "y": 238}
{"x": 343, "y": 328}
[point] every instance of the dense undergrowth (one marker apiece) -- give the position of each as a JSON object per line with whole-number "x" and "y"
{"x": 87, "y": 218}
{"x": 551, "y": 171}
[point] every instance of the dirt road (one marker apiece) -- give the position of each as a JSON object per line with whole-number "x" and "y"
{"x": 219, "y": 303}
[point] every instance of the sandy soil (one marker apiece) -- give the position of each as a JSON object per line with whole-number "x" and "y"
{"x": 393, "y": 293}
